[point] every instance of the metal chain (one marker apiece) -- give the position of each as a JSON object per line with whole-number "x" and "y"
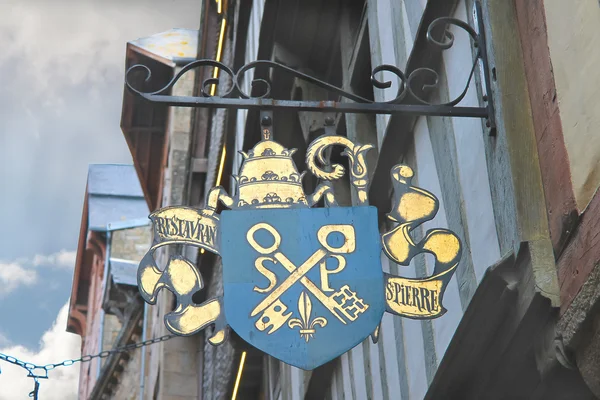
{"x": 41, "y": 371}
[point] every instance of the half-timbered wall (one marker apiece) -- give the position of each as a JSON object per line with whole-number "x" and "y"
{"x": 448, "y": 157}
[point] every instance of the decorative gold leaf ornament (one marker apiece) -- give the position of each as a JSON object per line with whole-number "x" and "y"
{"x": 306, "y": 325}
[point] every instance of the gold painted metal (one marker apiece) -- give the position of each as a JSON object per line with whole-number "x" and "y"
{"x": 356, "y": 155}
{"x": 269, "y": 179}
{"x": 183, "y": 225}
{"x": 306, "y": 324}
{"x": 221, "y": 164}
{"x": 264, "y": 271}
{"x": 238, "y": 378}
{"x": 220, "y": 44}
{"x": 343, "y": 304}
{"x": 183, "y": 280}
{"x": 417, "y": 298}
{"x": 346, "y": 230}
{"x": 295, "y": 276}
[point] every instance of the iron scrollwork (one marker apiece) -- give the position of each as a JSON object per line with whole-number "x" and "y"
{"x": 411, "y": 96}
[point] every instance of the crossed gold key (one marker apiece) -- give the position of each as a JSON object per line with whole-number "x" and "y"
{"x": 272, "y": 308}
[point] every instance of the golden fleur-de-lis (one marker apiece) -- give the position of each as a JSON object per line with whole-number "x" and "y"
{"x": 306, "y": 325}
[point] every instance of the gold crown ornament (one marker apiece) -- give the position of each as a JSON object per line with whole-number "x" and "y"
{"x": 268, "y": 178}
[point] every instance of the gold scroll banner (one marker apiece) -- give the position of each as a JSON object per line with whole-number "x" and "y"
{"x": 189, "y": 226}
{"x": 184, "y": 225}
{"x": 417, "y": 298}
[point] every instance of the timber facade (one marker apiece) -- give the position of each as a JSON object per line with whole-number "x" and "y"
{"x": 523, "y": 305}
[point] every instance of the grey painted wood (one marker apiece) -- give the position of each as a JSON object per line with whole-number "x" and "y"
{"x": 421, "y": 271}
{"x": 368, "y": 368}
{"x": 444, "y": 147}
{"x": 384, "y": 375}
{"x": 470, "y": 150}
{"x": 398, "y": 324}
{"x": 346, "y": 377}
{"x": 391, "y": 350}
{"x": 431, "y": 362}
{"x": 420, "y": 268}
{"x": 416, "y": 365}
{"x": 398, "y": 31}
{"x": 359, "y": 376}
{"x": 339, "y": 384}
{"x": 381, "y": 37}
{"x": 414, "y": 12}
{"x": 499, "y": 167}
{"x": 428, "y": 178}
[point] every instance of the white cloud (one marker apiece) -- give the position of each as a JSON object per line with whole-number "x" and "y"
{"x": 22, "y": 271}
{"x": 71, "y": 50}
{"x": 61, "y": 259}
{"x": 4, "y": 341}
{"x": 56, "y": 345}
{"x": 13, "y": 275}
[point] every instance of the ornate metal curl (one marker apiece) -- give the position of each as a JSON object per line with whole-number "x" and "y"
{"x": 237, "y": 79}
{"x": 410, "y": 98}
{"x": 443, "y": 45}
{"x": 188, "y": 67}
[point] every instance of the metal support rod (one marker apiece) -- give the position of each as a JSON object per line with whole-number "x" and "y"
{"x": 322, "y": 106}
{"x": 491, "y": 119}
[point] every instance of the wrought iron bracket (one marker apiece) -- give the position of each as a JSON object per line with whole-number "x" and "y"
{"x": 411, "y": 98}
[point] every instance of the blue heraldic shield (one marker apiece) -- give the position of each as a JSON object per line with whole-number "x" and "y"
{"x": 303, "y": 285}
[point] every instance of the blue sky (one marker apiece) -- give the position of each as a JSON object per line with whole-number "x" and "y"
{"x": 61, "y": 73}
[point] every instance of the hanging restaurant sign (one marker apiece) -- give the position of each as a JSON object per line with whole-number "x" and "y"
{"x": 302, "y": 284}
{"x": 305, "y": 284}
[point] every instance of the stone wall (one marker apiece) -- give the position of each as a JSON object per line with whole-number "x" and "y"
{"x": 131, "y": 244}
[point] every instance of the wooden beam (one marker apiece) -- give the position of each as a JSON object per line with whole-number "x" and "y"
{"x": 399, "y": 129}
{"x": 581, "y": 254}
{"x": 554, "y": 160}
{"x": 481, "y": 324}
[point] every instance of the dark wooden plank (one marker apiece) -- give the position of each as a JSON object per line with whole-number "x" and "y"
{"x": 515, "y": 123}
{"x": 319, "y": 382}
{"x": 483, "y": 321}
{"x": 554, "y": 160}
{"x": 581, "y": 255}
